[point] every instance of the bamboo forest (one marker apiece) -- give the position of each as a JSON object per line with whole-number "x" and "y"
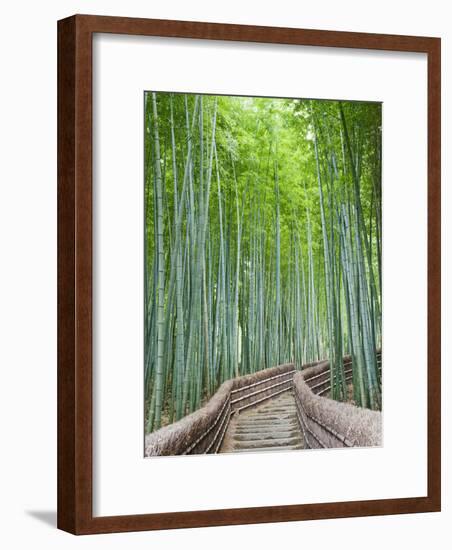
{"x": 263, "y": 237}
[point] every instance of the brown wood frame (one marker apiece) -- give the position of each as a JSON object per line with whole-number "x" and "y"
{"x": 75, "y": 273}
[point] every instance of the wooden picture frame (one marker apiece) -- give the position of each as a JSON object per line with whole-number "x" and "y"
{"x": 75, "y": 277}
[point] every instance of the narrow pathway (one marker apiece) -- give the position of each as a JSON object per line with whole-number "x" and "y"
{"x": 271, "y": 426}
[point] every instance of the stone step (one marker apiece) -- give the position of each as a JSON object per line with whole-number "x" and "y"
{"x": 268, "y": 422}
{"x": 269, "y": 426}
{"x": 279, "y": 406}
{"x": 286, "y": 401}
{"x": 265, "y": 425}
{"x": 277, "y": 412}
{"x": 267, "y": 449}
{"x": 256, "y": 421}
{"x": 271, "y": 417}
{"x": 269, "y": 435}
{"x": 286, "y": 441}
{"x": 265, "y": 429}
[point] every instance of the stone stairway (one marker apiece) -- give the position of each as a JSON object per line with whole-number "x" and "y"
{"x": 271, "y": 426}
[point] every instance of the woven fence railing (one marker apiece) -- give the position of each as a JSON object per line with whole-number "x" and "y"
{"x": 323, "y": 422}
{"x": 203, "y": 431}
{"x": 326, "y": 423}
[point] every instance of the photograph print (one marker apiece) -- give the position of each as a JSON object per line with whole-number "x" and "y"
{"x": 262, "y": 274}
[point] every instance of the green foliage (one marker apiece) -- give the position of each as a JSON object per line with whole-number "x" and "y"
{"x": 270, "y": 243}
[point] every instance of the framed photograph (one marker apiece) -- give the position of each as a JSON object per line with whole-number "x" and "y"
{"x": 248, "y": 274}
